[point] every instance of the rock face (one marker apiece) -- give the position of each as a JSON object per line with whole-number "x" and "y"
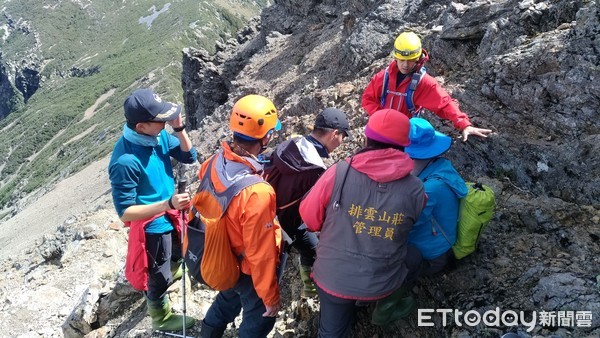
{"x": 529, "y": 70}
{"x": 19, "y": 78}
{"x": 208, "y": 78}
{"x": 9, "y": 95}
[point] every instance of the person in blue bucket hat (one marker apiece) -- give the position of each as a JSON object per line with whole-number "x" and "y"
{"x": 434, "y": 233}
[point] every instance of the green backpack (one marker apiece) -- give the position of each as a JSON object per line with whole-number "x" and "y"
{"x": 475, "y": 212}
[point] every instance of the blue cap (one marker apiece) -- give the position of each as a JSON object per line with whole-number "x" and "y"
{"x": 425, "y": 141}
{"x": 143, "y": 105}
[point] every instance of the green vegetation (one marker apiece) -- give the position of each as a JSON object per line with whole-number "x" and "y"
{"x": 39, "y": 144}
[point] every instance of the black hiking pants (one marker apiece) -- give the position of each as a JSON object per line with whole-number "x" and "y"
{"x": 161, "y": 249}
{"x": 305, "y": 242}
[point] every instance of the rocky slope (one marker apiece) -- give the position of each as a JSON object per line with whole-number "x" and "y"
{"x": 526, "y": 69}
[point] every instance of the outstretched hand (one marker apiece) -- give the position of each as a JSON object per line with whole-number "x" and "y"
{"x": 470, "y": 130}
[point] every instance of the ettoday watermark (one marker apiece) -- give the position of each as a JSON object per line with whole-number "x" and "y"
{"x": 497, "y": 317}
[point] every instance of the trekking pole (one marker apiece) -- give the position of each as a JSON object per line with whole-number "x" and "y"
{"x": 173, "y": 334}
{"x": 181, "y": 186}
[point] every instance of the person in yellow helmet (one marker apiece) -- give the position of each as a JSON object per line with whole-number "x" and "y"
{"x": 253, "y": 230}
{"x": 405, "y": 86}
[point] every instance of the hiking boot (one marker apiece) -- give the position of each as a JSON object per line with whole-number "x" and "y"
{"x": 396, "y": 306}
{"x": 163, "y": 318}
{"x": 308, "y": 287}
{"x": 177, "y": 270}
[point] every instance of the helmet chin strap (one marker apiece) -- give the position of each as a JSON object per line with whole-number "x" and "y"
{"x": 419, "y": 64}
{"x": 264, "y": 146}
{"x": 243, "y": 152}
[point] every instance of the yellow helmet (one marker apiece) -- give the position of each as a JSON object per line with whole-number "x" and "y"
{"x": 407, "y": 46}
{"x": 254, "y": 116}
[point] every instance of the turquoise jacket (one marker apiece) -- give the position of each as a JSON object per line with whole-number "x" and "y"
{"x": 444, "y": 188}
{"x": 142, "y": 174}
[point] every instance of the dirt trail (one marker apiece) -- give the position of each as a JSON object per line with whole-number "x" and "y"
{"x": 81, "y": 192}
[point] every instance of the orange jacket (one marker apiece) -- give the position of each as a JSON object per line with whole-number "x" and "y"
{"x": 253, "y": 229}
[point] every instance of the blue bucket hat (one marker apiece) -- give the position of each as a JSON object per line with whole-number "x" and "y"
{"x": 425, "y": 141}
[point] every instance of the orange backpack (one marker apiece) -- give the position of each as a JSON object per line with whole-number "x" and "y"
{"x": 208, "y": 253}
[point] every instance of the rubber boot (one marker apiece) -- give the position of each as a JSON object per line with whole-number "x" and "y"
{"x": 177, "y": 270}
{"x": 398, "y": 305}
{"x": 308, "y": 288}
{"x": 163, "y": 318}
{"x": 208, "y": 331}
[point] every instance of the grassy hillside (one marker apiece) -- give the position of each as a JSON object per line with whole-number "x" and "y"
{"x": 91, "y": 56}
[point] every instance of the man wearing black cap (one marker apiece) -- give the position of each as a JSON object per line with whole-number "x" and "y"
{"x": 143, "y": 191}
{"x": 296, "y": 166}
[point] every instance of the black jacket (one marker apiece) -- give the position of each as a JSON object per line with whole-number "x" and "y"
{"x": 295, "y": 166}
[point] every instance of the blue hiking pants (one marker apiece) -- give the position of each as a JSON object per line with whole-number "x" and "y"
{"x": 228, "y": 304}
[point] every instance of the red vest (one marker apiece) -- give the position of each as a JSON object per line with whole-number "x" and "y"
{"x": 136, "y": 265}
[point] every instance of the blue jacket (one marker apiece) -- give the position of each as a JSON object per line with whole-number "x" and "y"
{"x": 141, "y": 175}
{"x": 444, "y": 188}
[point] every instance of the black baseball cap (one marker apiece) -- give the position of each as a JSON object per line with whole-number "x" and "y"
{"x": 143, "y": 105}
{"x": 333, "y": 118}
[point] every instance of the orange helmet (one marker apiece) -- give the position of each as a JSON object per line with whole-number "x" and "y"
{"x": 254, "y": 116}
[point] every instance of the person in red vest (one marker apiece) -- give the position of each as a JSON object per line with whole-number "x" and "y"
{"x": 405, "y": 86}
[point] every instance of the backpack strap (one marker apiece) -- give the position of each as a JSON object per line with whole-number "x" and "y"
{"x": 283, "y": 207}
{"x": 384, "y": 88}
{"x": 410, "y": 91}
{"x": 412, "y": 86}
{"x": 226, "y": 196}
{"x": 433, "y": 224}
{"x": 341, "y": 166}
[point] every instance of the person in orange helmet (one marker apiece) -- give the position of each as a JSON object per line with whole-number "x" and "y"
{"x": 253, "y": 230}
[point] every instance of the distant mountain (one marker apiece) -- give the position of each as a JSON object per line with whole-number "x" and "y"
{"x": 66, "y": 67}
